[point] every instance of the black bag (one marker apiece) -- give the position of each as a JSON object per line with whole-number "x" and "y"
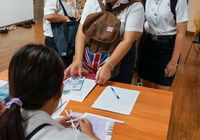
{"x": 64, "y": 35}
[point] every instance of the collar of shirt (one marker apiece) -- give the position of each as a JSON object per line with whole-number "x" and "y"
{"x": 39, "y": 117}
{"x": 118, "y": 3}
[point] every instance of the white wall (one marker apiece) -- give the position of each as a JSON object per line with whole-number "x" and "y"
{"x": 194, "y": 12}
{"x": 14, "y": 11}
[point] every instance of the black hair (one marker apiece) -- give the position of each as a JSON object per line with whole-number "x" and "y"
{"x": 35, "y": 76}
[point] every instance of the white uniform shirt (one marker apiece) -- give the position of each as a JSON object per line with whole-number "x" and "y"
{"x": 132, "y": 18}
{"x": 54, "y": 131}
{"x": 160, "y": 19}
{"x": 54, "y": 7}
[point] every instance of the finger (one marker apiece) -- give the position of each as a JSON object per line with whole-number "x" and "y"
{"x": 100, "y": 81}
{"x": 72, "y": 71}
{"x": 97, "y": 77}
{"x": 85, "y": 71}
{"x": 171, "y": 73}
{"x": 166, "y": 72}
{"x": 67, "y": 71}
{"x": 80, "y": 71}
{"x": 85, "y": 120}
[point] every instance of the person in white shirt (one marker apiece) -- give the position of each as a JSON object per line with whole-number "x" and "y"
{"x": 161, "y": 43}
{"x": 132, "y": 19}
{"x": 53, "y": 12}
{"x": 36, "y": 77}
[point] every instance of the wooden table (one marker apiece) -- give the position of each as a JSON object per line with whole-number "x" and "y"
{"x": 149, "y": 118}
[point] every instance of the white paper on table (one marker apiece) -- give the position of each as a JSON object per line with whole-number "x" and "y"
{"x": 108, "y": 101}
{"x": 3, "y": 82}
{"x": 73, "y": 84}
{"x": 102, "y": 126}
{"x": 61, "y": 106}
{"x": 79, "y": 96}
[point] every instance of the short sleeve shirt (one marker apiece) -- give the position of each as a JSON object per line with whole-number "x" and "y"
{"x": 54, "y": 7}
{"x": 159, "y": 18}
{"x": 132, "y": 18}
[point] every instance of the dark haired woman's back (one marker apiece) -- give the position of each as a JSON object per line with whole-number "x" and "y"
{"x": 35, "y": 87}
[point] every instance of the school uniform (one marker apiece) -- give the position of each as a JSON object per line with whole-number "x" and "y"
{"x": 132, "y": 19}
{"x": 158, "y": 40}
{"x": 54, "y": 131}
{"x": 54, "y": 7}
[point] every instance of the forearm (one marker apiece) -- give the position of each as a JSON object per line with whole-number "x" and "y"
{"x": 80, "y": 44}
{"x": 56, "y": 18}
{"x": 179, "y": 42}
{"x": 120, "y": 51}
{"x": 123, "y": 48}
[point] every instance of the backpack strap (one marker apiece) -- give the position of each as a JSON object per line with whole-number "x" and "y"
{"x": 102, "y": 6}
{"x": 124, "y": 6}
{"x": 117, "y": 9}
{"x": 173, "y": 4}
{"x": 36, "y": 130}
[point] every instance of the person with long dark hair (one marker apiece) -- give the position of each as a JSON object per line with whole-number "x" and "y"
{"x": 35, "y": 87}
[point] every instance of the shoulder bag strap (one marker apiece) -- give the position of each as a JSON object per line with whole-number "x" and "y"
{"x": 65, "y": 13}
{"x": 36, "y": 130}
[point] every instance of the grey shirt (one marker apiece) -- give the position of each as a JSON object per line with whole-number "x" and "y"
{"x": 53, "y": 132}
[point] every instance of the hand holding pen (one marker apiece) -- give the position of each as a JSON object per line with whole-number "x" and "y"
{"x": 74, "y": 127}
{"x": 65, "y": 121}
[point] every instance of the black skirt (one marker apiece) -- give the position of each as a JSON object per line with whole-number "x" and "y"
{"x": 154, "y": 53}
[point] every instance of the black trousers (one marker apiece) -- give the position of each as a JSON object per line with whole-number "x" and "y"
{"x": 49, "y": 42}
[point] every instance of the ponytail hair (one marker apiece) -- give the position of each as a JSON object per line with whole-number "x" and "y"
{"x": 35, "y": 76}
{"x": 11, "y": 124}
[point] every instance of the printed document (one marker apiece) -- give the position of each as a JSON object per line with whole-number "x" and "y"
{"x": 118, "y": 100}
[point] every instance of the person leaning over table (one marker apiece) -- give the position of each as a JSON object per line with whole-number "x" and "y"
{"x": 161, "y": 43}
{"x": 53, "y": 12}
{"x": 35, "y": 86}
{"x": 132, "y": 19}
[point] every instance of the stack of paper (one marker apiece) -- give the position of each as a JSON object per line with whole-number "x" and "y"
{"x": 75, "y": 89}
{"x": 74, "y": 92}
{"x": 102, "y": 126}
{"x": 118, "y": 100}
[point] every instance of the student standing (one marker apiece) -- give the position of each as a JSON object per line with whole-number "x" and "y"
{"x": 162, "y": 42}
{"x": 35, "y": 86}
{"x": 53, "y": 12}
{"x": 132, "y": 19}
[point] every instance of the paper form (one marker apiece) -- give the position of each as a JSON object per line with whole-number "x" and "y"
{"x": 80, "y": 95}
{"x": 108, "y": 101}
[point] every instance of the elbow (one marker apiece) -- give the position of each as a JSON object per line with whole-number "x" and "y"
{"x": 48, "y": 17}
